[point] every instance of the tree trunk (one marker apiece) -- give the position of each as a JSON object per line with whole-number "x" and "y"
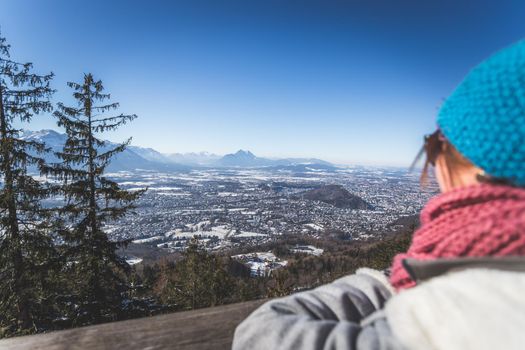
{"x": 94, "y": 241}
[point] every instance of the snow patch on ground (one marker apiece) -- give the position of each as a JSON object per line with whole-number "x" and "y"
{"x": 316, "y": 227}
{"x": 307, "y": 249}
{"x": 133, "y": 261}
{"x": 148, "y": 240}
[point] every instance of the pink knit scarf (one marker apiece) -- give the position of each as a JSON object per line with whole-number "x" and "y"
{"x": 482, "y": 220}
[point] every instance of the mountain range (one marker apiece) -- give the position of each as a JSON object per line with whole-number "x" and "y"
{"x": 135, "y": 158}
{"x": 128, "y": 160}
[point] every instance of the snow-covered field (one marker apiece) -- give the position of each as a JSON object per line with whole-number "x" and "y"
{"x": 307, "y": 249}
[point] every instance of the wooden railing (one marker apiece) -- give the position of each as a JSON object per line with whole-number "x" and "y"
{"x": 210, "y": 328}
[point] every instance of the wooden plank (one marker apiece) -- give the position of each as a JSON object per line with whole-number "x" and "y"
{"x": 210, "y": 328}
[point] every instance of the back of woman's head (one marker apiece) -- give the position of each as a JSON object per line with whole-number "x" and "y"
{"x": 481, "y": 135}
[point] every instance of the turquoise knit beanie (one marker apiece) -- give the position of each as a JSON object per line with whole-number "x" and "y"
{"x": 484, "y": 118}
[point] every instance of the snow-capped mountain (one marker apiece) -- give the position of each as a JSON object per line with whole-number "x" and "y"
{"x": 135, "y": 157}
{"x": 132, "y": 158}
{"x": 195, "y": 158}
{"x": 51, "y": 138}
{"x": 150, "y": 154}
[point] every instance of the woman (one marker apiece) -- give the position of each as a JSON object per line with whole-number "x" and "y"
{"x": 461, "y": 284}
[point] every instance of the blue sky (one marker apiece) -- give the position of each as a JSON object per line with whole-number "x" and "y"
{"x": 346, "y": 81}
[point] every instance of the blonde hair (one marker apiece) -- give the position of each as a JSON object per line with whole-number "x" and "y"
{"x": 455, "y": 161}
{"x": 438, "y": 147}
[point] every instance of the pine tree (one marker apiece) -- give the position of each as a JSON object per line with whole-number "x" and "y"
{"x": 199, "y": 280}
{"x": 26, "y": 245}
{"x": 92, "y": 201}
{"x": 280, "y": 285}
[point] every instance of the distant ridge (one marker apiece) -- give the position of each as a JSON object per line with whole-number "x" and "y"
{"x": 194, "y": 158}
{"x": 129, "y": 160}
{"x": 244, "y": 158}
{"x": 135, "y": 157}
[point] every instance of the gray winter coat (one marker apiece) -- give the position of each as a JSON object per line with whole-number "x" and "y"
{"x": 362, "y": 311}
